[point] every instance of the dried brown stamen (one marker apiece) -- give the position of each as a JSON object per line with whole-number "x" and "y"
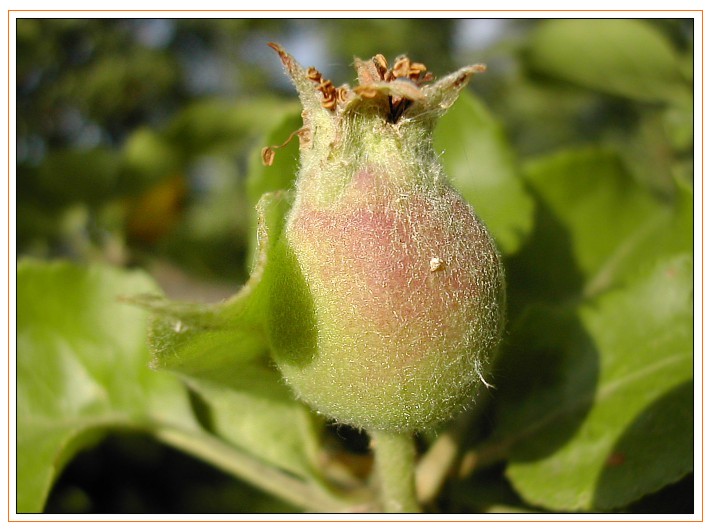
{"x": 380, "y": 64}
{"x": 371, "y": 75}
{"x": 269, "y": 152}
{"x": 342, "y": 93}
{"x": 331, "y": 95}
{"x": 403, "y": 69}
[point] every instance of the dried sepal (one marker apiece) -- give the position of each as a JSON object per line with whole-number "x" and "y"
{"x": 309, "y": 93}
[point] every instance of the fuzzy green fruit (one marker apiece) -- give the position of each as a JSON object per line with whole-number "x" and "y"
{"x": 387, "y": 292}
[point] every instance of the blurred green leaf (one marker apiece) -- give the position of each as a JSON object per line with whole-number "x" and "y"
{"x": 149, "y": 158}
{"x": 210, "y": 124}
{"x": 610, "y": 368}
{"x": 482, "y": 167}
{"x": 122, "y": 83}
{"x": 222, "y": 353}
{"x": 648, "y": 153}
{"x": 74, "y": 176}
{"x": 81, "y": 369}
{"x": 622, "y": 57}
{"x": 282, "y": 172}
{"x": 354, "y": 37}
{"x": 678, "y": 120}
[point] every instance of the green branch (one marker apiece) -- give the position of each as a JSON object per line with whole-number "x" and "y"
{"x": 274, "y": 481}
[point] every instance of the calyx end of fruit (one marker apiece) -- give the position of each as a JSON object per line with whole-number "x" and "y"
{"x": 394, "y": 88}
{"x": 406, "y": 91}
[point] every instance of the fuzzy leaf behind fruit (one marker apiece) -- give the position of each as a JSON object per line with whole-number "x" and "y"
{"x": 82, "y": 369}
{"x": 221, "y": 352}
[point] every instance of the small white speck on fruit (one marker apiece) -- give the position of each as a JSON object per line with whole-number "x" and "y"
{"x": 436, "y": 264}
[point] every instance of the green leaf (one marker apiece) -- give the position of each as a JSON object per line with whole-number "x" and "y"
{"x": 678, "y": 122}
{"x": 601, "y": 328}
{"x": 662, "y": 435}
{"x": 251, "y": 407}
{"x": 621, "y": 57}
{"x": 194, "y": 339}
{"x": 595, "y": 227}
{"x": 482, "y": 167}
{"x": 82, "y": 368}
{"x": 222, "y": 353}
{"x": 619, "y": 364}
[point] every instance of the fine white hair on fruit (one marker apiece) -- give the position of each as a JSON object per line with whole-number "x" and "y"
{"x": 480, "y": 375}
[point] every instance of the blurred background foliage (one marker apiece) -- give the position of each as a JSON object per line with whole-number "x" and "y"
{"x": 138, "y": 141}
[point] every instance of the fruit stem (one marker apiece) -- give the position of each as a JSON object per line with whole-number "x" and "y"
{"x": 394, "y": 467}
